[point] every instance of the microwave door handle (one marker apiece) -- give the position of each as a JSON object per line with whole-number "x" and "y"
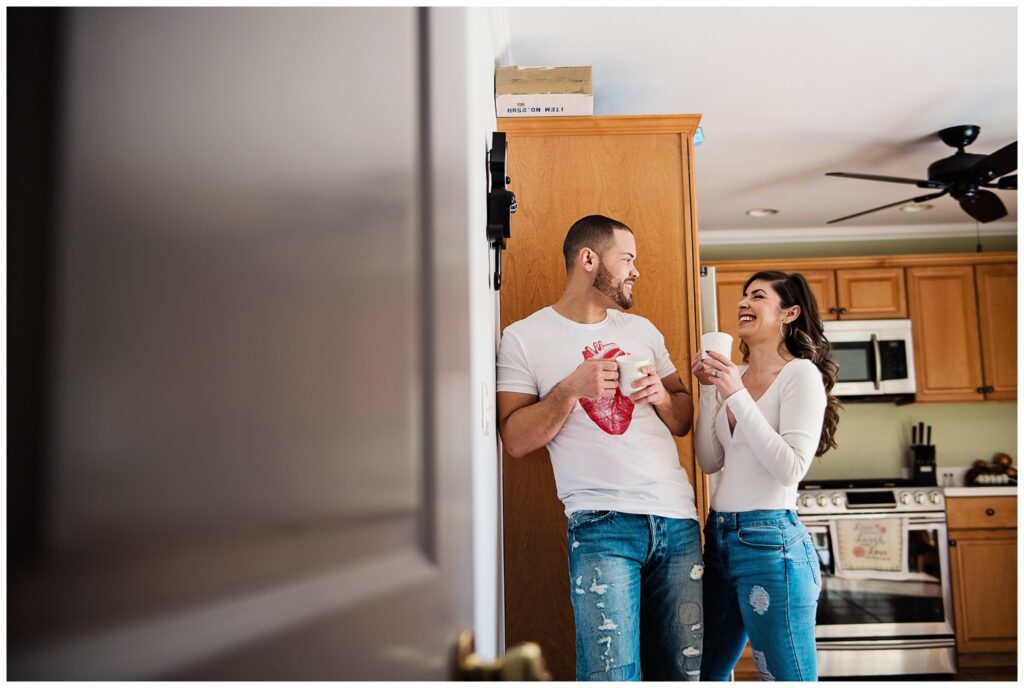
{"x": 878, "y": 362}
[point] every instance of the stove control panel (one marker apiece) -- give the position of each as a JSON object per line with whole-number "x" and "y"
{"x": 870, "y": 500}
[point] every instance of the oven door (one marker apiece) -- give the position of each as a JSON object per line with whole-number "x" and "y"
{"x": 918, "y": 605}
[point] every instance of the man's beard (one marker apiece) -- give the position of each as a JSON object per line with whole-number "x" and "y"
{"x": 606, "y": 284}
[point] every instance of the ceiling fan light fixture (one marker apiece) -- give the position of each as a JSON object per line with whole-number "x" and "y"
{"x": 762, "y": 212}
{"x": 916, "y": 207}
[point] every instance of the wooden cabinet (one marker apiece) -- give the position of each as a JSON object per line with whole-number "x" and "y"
{"x": 997, "y": 319}
{"x": 635, "y": 169}
{"x": 947, "y": 354}
{"x": 728, "y": 292}
{"x": 870, "y": 293}
{"x": 844, "y": 294}
{"x": 823, "y": 286}
{"x": 965, "y": 331}
{"x": 963, "y": 308}
{"x": 983, "y": 566}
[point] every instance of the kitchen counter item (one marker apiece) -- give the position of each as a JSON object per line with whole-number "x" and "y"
{"x": 1000, "y": 491}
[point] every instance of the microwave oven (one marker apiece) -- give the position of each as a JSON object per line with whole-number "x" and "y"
{"x": 875, "y": 357}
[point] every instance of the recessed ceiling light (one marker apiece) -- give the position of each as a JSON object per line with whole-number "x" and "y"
{"x": 762, "y": 212}
{"x": 916, "y": 207}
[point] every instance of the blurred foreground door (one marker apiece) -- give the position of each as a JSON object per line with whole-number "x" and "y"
{"x": 258, "y": 462}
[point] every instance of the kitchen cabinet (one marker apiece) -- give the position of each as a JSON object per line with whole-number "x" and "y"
{"x": 729, "y": 292}
{"x": 947, "y": 353}
{"x": 963, "y": 310}
{"x": 997, "y": 320}
{"x": 965, "y": 331}
{"x": 843, "y": 294}
{"x": 870, "y": 294}
{"x": 639, "y": 170}
{"x": 983, "y": 566}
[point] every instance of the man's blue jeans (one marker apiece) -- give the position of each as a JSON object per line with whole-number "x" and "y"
{"x": 636, "y": 596}
{"x": 762, "y": 581}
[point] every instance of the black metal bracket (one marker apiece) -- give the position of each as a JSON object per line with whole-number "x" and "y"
{"x": 501, "y": 203}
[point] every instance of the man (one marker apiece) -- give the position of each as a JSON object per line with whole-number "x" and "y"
{"x": 634, "y": 541}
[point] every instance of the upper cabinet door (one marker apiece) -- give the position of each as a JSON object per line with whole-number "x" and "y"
{"x": 823, "y": 286}
{"x": 729, "y": 289}
{"x": 997, "y": 312}
{"x": 869, "y": 293}
{"x": 945, "y": 326}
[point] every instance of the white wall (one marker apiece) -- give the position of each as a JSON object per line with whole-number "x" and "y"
{"x": 486, "y": 41}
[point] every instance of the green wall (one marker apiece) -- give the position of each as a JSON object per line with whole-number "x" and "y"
{"x": 873, "y": 437}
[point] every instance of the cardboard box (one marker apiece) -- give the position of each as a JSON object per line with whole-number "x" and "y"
{"x": 543, "y": 91}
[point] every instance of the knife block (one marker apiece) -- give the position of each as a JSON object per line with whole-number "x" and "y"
{"x": 923, "y": 458}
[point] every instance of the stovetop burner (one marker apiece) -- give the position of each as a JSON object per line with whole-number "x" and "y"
{"x": 855, "y": 483}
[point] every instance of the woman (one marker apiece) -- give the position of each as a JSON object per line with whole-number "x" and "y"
{"x": 761, "y": 425}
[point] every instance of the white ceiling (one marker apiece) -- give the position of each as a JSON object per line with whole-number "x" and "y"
{"x": 788, "y": 94}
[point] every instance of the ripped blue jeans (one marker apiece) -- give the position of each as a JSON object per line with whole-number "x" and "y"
{"x": 636, "y": 596}
{"x": 762, "y": 581}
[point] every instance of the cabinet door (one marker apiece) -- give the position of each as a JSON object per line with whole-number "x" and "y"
{"x": 997, "y": 313}
{"x": 983, "y": 564}
{"x": 637, "y": 170}
{"x": 823, "y": 286}
{"x": 869, "y": 293}
{"x": 729, "y": 291}
{"x": 945, "y": 327}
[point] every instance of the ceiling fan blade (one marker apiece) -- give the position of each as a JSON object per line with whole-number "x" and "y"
{"x": 984, "y": 207}
{"x": 1007, "y": 183}
{"x": 1003, "y": 161}
{"x": 923, "y": 183}
{"x": 917, "y": 199}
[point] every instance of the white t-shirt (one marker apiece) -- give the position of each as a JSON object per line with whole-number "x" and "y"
{"x": 773, "y": 444}
{"x": 609, "y": 454}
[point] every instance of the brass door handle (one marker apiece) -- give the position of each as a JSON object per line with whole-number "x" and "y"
{"x": 520, "y": 663}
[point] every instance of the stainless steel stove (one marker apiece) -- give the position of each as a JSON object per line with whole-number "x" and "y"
{"x": 816, "y": 499}
{"x": 891, "y": 621}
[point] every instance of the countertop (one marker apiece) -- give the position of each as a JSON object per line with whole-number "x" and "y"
{"x": 986, "y": 491}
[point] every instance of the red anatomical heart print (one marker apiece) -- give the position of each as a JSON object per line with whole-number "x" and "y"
{"x": 611, "y": 414}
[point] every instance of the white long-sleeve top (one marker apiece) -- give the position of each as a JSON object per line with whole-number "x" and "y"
{"x": 772, "y": 446}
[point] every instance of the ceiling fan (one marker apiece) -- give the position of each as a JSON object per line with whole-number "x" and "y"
{"x": 964, "y": 176}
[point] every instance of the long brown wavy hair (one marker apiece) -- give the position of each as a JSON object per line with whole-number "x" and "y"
{"x": 805, "y": 339}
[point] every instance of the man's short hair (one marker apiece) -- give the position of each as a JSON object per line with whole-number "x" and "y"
{"x": 595, "y": 232}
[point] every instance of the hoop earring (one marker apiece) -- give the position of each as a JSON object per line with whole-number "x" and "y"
{"x": 789, "y": 330}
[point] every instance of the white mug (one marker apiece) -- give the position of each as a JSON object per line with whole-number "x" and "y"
{"x": 719, "y": 342}
{"x": 629, "y": 372}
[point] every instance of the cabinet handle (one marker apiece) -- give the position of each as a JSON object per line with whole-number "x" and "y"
{"x": 833, "y": 311}
{"x": 980, "y": 390}
{"x": 952, "y": 543}
{"x": 990, "y": 389}
{"x": 842, "y": 311}
{"x": 990, "y": 512}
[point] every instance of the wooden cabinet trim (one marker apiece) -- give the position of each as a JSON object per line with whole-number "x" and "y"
{"x": 909, "y": 260}
{"x": 702, "y": 496}
{"x": 615, "y": 124}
